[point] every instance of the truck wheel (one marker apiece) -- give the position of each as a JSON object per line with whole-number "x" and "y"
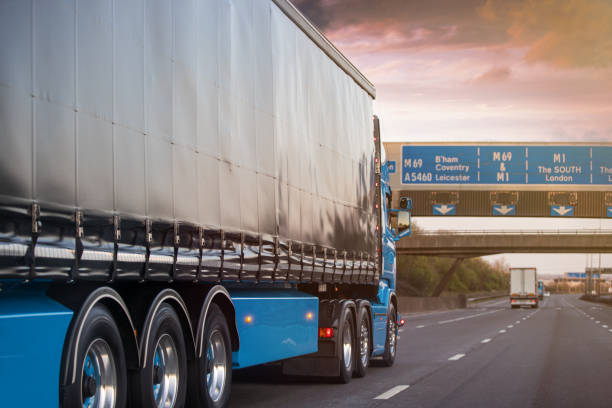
{"x": 363, "y": 340}
{"x": 346, "y": 351}
{"x": 391, "y": 341}
{"x": 210, "y": 377}
{"x": 101, "y": 379}
{"x": 163, "y": 382}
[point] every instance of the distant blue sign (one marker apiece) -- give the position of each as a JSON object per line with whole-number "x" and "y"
{"x": 609, "y": 211}
{"x": 504, "y": 210}
{"x": 561, "y": 211}
{"x": 444, "y": 209}
{"x": 392, "y": 166}
{"x": 580, "y": 275}
{"x": 511, "y": 165}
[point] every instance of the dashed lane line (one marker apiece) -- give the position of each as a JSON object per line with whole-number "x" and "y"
{"x": 390, "y": 393}
{"x": 485, "y": 340}
{"x": 502, "y": 331}
{"x": 456, "y": 357}
{"x": 420, "y": 326}
{"x": 467, "y": 317}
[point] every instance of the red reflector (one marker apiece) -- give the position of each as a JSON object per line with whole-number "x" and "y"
{"x": 402, "y": 322}
{"x": 326, "y": 332}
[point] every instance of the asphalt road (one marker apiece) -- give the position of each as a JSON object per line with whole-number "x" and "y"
{"x": 487, "y": 355}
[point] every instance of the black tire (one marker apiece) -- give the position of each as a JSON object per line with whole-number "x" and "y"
{"x": 215, "y": 329}
{"x": 346, "y": 335}
{"x": 514, "y": 306}
{"x": 391, "y": 338}
{"x": 364, "y": 347}
{"x": 99, "y": 335}
{"x": 166, "y": 332}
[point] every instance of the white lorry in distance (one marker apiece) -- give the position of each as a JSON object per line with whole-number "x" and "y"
{"x": 523, "y": 287}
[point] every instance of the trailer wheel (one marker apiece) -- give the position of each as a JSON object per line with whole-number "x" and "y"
{"x": 101, "y": 379}
{"x": 346, "y": 349}
{"x": 163, "y": 380}
{"x": 363, "y": 341}
{"x": 210, "y": 377}
{"x": 391, "y": 341}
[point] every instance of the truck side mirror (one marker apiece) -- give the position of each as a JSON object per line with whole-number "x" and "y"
{"x": 405, "y": 203}
{"x": 400, "y": 223}
{"x": 403, "y": 222}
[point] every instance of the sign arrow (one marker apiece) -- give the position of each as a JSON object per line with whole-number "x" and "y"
{"x": 504, "y": 209}
{"x": 444, "y": 209}
{"x": 563, "y": 210}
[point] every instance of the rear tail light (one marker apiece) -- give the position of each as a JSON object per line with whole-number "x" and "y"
{"x": 326, "y": 332}
{"x": 401, "y": 322}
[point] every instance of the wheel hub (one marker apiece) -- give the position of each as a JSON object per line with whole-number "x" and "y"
{"x": 165, "y": 372}
{"x": 216, "y": 366}
{"x": 99, "y": 376}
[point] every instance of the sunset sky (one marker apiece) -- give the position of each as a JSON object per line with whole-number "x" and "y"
{"x": 480, "y": 70}
{"x": 484, "y": 70}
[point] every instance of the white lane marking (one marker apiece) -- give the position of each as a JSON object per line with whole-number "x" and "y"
{"x": 456, "y": 357}
{"x": 510, "y": 326}
{"x": 518, "y": 321}
{"x": 597, "y": 322}
{"x": 605, "y": 326}
{"x": 485, "y": 340}
{"x": 502, "y": 331}
{"x": 468, "y": 317}
{"x": 592, "y": 318}
{"x": 524, "y": 318}
{"x": 610, "y": 330}
{"x": 393, "y": 391}
{"x": 401, "y": 330}
{"x": 420, "y": 326}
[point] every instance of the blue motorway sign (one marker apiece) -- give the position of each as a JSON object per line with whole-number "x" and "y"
{"x": 511, "y": 165}
{"x": 561, "y": 211}
{"x": 444, "y": 209}
{"x": 504, "y": 210}
{"x": 392, "y": 166}
{"x": 609, "y": 211}
{"x": 580, "y": 275}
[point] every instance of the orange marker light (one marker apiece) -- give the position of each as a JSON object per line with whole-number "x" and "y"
{"x": 248, "y": 319}
{"x": 309, "y": 316}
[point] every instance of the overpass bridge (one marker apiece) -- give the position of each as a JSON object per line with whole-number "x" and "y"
{"x": 467, "y": 244}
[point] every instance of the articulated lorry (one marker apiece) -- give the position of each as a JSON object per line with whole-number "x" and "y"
{"x": 523, "y": 287}
{"x": 186, "y": 188}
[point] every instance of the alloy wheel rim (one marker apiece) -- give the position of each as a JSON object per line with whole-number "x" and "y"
{"x": 165, "y": 372}
{"x": 392, "y": 337}
{"x": 364, "y": 343}
{"x": 347, "y": 346}
{"x": 216, "y": 365}
{"x": 99, "y": 376}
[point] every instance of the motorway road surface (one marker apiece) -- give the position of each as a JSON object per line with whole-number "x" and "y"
{"x": 487, "y": 355}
